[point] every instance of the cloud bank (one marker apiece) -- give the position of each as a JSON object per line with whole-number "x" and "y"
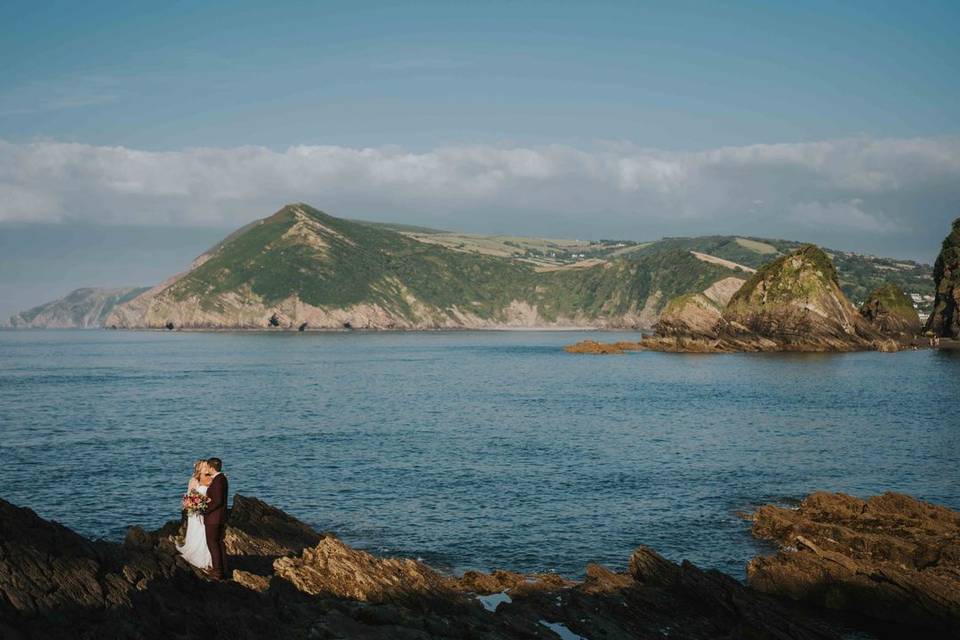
{"x": 857, "y": 187}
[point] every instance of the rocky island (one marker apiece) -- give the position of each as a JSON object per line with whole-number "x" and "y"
{"x": 888, "y": 565}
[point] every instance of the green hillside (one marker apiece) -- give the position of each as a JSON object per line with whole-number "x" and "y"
{"x": 302, "y": 256}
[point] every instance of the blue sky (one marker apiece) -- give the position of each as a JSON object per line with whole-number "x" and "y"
{"x": 823, "y": 121}
{"x": 686, "y": 75}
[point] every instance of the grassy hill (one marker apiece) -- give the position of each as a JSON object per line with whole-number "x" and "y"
{"x": 859, "y": 274}
{"x": 304, "y": 266}
{"x": 301, "y": 265}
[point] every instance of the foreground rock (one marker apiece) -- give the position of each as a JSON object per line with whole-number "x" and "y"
{"x": 945, "y": 319}
{"x": 292, "y": 582}
{"x": 891, "y": 557}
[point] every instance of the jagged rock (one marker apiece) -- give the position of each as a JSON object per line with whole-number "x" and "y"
{"x": 945, "y": 319}
{"x": 890, "y": 310}
{"x": 259, "y": 529}
{"x": 890, "y": 557}
{"x": 334, "y": 569}
{"x": 300, "y": 583}
{"x": 694, "y": 315}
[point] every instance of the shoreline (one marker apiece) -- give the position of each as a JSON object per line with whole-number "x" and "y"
{"x": 287, "y": 579}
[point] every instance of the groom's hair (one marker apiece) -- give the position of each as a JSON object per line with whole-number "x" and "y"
{"x": 216, "y": 463}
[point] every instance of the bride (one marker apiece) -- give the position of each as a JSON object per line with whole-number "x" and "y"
{"x": 194, "y": 549}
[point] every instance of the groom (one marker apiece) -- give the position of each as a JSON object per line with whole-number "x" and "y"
{"x": 215, "y": 517}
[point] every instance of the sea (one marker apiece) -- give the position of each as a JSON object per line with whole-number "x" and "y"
{"x": 470, "y": 450}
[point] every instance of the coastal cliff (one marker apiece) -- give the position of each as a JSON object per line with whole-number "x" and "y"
{"x": 944, "y": 321}
{"x": 291, "y": 581}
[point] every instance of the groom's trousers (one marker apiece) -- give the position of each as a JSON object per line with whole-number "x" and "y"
{"x": 218, "y": 550}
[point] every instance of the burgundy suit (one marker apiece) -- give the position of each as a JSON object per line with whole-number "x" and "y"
{"x": 215, "y": 523}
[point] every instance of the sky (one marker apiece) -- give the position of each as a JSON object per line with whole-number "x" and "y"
{"x": 133, "y": 135}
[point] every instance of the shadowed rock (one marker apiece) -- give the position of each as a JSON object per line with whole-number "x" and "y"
{"x": 891, "y": 311}
{"x": 299, "y": 583}
{"x": 945, "y": 319}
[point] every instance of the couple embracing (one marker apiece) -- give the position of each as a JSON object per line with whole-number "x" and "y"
{"x": 206, "y": 505}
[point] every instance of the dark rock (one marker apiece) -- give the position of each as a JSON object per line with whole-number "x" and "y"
{"x": 169, "y": 326}
{"x": 944, "y": 321}
{"x": 891, "y": 311}
{"x": 291, "y": 581}
{"x": 274, "y": 321}
{"x": 891, "y": 557}
{"x": 302, "y": 327}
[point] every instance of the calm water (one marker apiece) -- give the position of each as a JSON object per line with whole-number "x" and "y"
{"x": 471, "y": 450}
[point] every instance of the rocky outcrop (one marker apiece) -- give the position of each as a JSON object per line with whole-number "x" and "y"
{"x": 601, "y": 348}
{"x": 80, "y": 309}
{"x": 291, "y": 581}
{"x": 891, "y": 557}
{"x": 694, "y": 316}
{"x": 791, "y": 304}
{"x": 891, "y": 311}
{"x": 944, "y": 321}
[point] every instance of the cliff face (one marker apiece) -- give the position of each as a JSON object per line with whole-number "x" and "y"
{"x": 81, "y": 308}
{"x": 945, "y": 318}
{"x": 303, "y": 268}
{"x": 891, "y": 311}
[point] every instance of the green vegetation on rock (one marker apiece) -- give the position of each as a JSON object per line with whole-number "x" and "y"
{"x": 801, "y": 275}
{"x": 891, "y": 310}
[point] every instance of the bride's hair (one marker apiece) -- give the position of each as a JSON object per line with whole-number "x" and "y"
{"x": 198, "y": 467}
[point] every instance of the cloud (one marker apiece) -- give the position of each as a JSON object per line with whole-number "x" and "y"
{"x": 846, "y": 186}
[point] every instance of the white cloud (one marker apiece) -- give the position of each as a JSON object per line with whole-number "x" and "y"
{"x": 873, "y": 186}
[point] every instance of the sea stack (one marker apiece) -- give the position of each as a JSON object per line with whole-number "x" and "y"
{"x": 890, "y": 310}
{"x": 945, "y": 319}
{"x": 793, "y": 303}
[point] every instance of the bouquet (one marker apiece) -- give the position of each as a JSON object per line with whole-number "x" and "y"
{"x": 195, "y": 503}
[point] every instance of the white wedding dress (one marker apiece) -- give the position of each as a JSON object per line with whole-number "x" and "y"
{"x": 194, "y": 549}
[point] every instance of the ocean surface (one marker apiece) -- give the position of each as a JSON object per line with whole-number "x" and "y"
{"x": 469, "y": 449}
